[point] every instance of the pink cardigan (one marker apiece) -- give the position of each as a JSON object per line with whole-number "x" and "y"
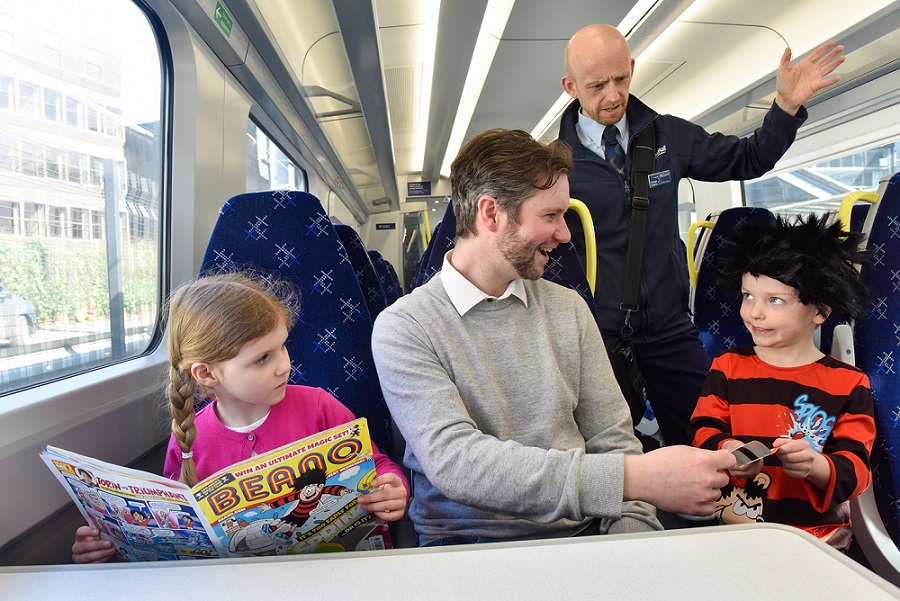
{"x": 304, "y": 411}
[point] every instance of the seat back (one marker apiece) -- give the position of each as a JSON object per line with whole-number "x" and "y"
{"x": 565, "y": 268}
{"x": 387, "y": 276}
{"x": 366, "y": 274}
{"x": 716, "y": 314}
{"x": 852, "y": 214}
{"x": 877, "y": 348}
{"x": 858, "y": 216}
{"x": 442, "y": 240}
{"x": 286, "y": 234}
{"x": 424, "y": 260}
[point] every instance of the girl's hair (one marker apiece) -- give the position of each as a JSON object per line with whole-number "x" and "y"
{"x": 209, "y": 321}
{"x": 806, "y": 253}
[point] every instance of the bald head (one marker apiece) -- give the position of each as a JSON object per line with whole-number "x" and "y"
{"x": 598, "y": 72}
{"x": 598, "y": 40}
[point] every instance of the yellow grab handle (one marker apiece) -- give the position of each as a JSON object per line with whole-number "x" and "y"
{"x": 426, "y": 235}
{"x": 692, "y": 272}
{"x": 590, "y": 240}
{"x": 849, "y": 201}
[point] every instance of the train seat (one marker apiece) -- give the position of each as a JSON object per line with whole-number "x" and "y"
{"x": 717, "y": 315}
{"x": 442, "y": 240}
{"x": 387, "y": 276}
{"x": 565, "y": 268}
{"x": 366, "y": 274}
{"x": 424, "y": 259}
{"x": 876, "y": 513}
{"x": 287, "y": 234}
{"x": 835, "y": 336}
{"x": 858, "y": 216}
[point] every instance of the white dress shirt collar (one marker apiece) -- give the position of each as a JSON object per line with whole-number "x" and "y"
{"x": 464, "y": 294}
{"x": 590, "y": 134}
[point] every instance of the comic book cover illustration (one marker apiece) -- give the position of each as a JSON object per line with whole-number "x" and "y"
{"x": 300, "y": 498}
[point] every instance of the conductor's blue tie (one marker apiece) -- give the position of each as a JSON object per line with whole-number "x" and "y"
{"x": 613, "y": 150}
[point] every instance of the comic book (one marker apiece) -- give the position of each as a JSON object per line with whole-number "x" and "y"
{"x": 300, "y": 498}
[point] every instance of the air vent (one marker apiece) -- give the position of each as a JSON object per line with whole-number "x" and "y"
{"x": 402, "y": 93}
{"x": 649, "y": 73}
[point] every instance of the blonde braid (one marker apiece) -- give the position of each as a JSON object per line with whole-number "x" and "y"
{"x": 181, "y": 400}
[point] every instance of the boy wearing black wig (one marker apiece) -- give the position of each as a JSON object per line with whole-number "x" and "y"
{"x": 813, "y": 411}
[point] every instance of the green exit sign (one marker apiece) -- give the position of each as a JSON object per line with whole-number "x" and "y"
{"x": 223, "y": 19}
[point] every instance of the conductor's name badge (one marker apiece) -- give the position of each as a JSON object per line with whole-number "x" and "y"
{"x": 660, "y": 178}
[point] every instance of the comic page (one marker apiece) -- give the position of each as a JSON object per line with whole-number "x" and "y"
{"x": 148, "y": 518}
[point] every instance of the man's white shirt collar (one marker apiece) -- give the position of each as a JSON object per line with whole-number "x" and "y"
{"x": 464, "y": 294}
{"x": 590, "y": 134}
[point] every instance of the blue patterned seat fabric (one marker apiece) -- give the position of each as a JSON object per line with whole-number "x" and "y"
{"x": 366, "y": 274}
{"x": 717, "y": 314}
{"x": 387, "y": 275}
{"x": 442, "y": 240}
{"x": 858, "y": 216}
{"x": 564, "y": 268}
{"x": 876, "y": 340}
{"x": 287, "y": 235}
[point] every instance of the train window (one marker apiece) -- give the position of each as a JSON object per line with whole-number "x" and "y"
{"x": 820, "y": 187}
{"x": 268, "y": 167}
{"x": 80, "y": 182}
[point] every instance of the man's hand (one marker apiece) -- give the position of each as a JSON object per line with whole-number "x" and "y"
{"x": 796, "y": 85}
{"x": 678, "y": 479}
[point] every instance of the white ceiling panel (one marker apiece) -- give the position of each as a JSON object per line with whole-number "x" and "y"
{"x": 712, "y": 61}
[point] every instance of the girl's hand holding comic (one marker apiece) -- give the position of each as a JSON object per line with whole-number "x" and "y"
{"x": 388, "y": 499}
{"x": 801, "y": 461}
{"x": 90, "y": 548}
{"x": 748, "y": 470}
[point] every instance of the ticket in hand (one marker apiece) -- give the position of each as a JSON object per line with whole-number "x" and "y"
{"x": 750, "y": 452}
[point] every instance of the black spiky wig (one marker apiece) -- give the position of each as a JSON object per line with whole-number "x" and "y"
{"x": 807, "y": 253}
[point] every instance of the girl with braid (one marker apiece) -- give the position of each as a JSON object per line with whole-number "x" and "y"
{"x": 226, "y": 338}
{"x": 814, "y": 412}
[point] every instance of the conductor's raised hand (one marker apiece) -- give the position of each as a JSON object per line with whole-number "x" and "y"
{"x": 796, "y": 84}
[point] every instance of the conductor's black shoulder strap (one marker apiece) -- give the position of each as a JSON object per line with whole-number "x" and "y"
{"x": 643, "y": 158}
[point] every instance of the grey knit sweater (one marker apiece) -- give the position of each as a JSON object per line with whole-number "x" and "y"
{"x": 515, "y": 426}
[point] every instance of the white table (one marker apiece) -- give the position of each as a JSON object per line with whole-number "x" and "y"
{"x": 765, "y": 562}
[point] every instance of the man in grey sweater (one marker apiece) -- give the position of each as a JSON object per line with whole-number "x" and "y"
{"x": 499, "y": 381}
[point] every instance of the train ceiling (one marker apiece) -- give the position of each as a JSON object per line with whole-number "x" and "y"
{"x": 388, "y": 90}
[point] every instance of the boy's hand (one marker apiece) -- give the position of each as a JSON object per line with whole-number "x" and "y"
{"x": 801, "y": 461}
{"x": 387, "y": 499}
